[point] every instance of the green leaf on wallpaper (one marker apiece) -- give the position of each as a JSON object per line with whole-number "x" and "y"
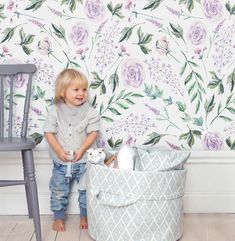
{"x": 153, "y": 92}
{"x": 230, "y": 143}
{"x": 98, "y": 83}
{"x": 230, "y": 8}
{"x": 130, "y": 102}
{"x": 93, "y": 101}
{"x": 198, "y": 121}
{"x": 209, "y": 104}
{"x": 103, "y": 89}
{"x": 96, "y": 76}
{"x": 121, "y": 101}
{"x": 143, "y": 40}
{"x": 101, "y": 107}
{"x": 111, "y": 99}
{"x": 106, "y": 118}
{"x": 70, "y": 3}
{"x": 154, "y": 138}
{"x": 181, "y": 106}
{"x": 126, "y": 33}
{"x": 25, "y": 39}
{"x": 193, "y": 64}
{"x": 19, "y": 96}
{"x": 216, "y": 83}
{"x": 115, "y": 10}
{"x": 8, "y": 34}
{"x": 177, "y": 30}
{"x": 26, "y": 49}
{"x": 114, "y": 111}
{"x": 115, "y": 144}
{"x": 183, "y": 68}
{"x": 189, "y": 4}
{"x": 228, "y": 101}
{"x": 219, "y": 108}
{"x": 2, "y": 16}
{"x": 225, "y": 118}
{"x": 231, "y": 80}
{"x": 137, "y": 95}
{"x": 153, "y": 4}
{"x": 38, "y": 93}
{"x": 122, "y": 105}
{"x": 35, "y": 4}
{"x": 59, "y": 31}
{"x": 114, "y": 80}
{"x": 190, "y": 137}
{"x": 232, "y": 110}
{"x": 37, "y": 137}
{"x": 199, "y": 76}
{"x": 188, "y": 78}
{"x": 145, "y": 49}
{"x": 186, "y": 118}
{"x": 192, "y": 87}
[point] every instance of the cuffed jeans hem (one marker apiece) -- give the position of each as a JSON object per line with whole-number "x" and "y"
{"x": 83, "y": 212}
{"x": 59, "y": 214}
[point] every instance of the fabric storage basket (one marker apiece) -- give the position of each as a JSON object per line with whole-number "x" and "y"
{"x": 125, "y": 205}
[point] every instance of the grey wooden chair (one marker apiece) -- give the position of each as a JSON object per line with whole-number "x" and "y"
{"x": 10, "y": 142}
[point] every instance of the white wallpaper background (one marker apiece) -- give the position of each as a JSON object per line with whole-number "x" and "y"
{"x": 161, "y": 72}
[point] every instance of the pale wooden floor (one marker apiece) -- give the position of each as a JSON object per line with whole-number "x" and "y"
{"x": 197, "y": 227}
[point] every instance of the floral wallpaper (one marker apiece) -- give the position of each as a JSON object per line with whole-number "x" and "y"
{"x": 161, "y": 72}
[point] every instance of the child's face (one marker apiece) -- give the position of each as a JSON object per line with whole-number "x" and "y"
{"x": 75, "y": 95}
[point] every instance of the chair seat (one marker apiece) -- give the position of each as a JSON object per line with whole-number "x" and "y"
{"x": 16, "y": 144}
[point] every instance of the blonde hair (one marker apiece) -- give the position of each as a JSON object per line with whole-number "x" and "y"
{"x": 64, "y": 79}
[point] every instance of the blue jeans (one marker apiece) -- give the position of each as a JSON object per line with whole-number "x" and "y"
{"x": 60, "y": 188}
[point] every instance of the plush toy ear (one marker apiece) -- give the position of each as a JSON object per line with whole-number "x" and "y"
{"x": 90, "y": 150}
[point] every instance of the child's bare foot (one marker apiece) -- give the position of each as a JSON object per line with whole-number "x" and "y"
{"x": 58, "y": 225}
{"x": 83, "y": 223}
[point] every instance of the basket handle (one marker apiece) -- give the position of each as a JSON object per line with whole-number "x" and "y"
{"x": 115, "y": 200}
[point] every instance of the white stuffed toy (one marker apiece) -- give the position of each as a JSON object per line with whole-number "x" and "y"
{"x": 125, "y": 158}
{"x": 96, "y": 156}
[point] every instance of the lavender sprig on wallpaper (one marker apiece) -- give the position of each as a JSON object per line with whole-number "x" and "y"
{"x": 163, "y": 73}
{"x": 224, "y": 49}
{"x": 135, "y": 125}
{"x": 106, "y": 51}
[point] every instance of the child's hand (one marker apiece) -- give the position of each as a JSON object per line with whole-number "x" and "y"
{"x": 62, "y": 155}
{"x": 78, "y": 155}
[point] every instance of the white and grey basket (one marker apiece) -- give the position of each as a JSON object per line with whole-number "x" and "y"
{"x": 128, "y": 205}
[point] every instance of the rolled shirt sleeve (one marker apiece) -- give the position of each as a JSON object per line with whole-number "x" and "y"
{"x": 51, "y": 121}
{"x": 93, "y": 120}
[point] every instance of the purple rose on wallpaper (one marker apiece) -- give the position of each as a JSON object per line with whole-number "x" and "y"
{"x": 79, "y": 34}
{"x": 19, "y": 78}
{"x": 133, "y": 73}
{"x": 94, "y": 10}
{"x": 212, "y": 141}
{"x": 212, "y": 9}
{"x": 197, "y": 33}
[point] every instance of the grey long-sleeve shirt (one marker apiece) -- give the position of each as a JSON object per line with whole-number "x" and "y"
{"x": 71, "y": 126}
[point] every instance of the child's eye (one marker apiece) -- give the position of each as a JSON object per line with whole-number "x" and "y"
{"x": 84, "y": 89}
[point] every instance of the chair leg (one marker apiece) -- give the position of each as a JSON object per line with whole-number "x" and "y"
{"x": 27, "y": 191}
{"x": 28, "y": 162}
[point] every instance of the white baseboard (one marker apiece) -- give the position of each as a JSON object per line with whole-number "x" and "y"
{"x": 210, "y": 184}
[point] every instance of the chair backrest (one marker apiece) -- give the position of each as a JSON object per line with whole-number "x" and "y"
{"x": 10, "y": 76}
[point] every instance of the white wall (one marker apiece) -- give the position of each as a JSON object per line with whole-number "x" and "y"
{"x": 210, "y": 185}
